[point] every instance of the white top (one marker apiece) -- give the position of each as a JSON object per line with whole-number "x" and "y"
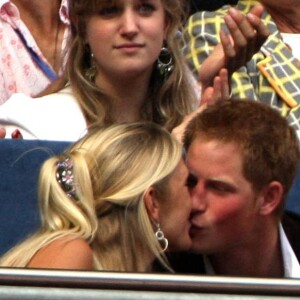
{"x": 56, "y": 116}
{"x": 293, "y": 40}
{"x": 290, "y": 263}
{"x": 53, "y": 117}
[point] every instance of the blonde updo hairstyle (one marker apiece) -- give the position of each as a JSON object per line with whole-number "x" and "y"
{"x": 113, "y": 168}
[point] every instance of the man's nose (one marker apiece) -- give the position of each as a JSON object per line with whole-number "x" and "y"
{"x": 199, "y": 197}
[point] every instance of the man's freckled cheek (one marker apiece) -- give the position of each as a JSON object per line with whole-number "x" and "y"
{"x": 224, "y": 214}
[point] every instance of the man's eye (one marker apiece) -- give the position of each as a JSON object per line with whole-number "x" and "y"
{"x": 220, "y": 187}
{"x": 191, "y": 181}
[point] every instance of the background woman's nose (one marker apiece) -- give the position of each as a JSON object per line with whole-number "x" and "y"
{"x": 129, "y": 23}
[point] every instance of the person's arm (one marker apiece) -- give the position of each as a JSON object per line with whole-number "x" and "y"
{"x": 219, "y": 91}
{"x": 73, "y": 254}
{"x": 246, "y": 34}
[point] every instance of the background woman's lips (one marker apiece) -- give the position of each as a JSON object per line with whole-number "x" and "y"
{"x": 129, "y": 45}
{"x": 129, "y": 48}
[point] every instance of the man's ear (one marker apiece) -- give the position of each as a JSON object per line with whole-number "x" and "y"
{"x": 151, "y": 204}
{"x": 270, "y": 197}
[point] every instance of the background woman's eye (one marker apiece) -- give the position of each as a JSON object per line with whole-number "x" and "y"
{"x": 108, "y": 10}
{"x": 146, "y": 8}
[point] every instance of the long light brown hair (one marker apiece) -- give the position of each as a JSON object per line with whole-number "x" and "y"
{"x": 167, "y": 101}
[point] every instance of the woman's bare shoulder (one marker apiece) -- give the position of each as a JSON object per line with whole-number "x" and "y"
{"x": 64, "y": 253}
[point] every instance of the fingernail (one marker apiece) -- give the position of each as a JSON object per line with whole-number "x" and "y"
{"x": 233, "y": 11}
{"x": 16, "y": 134}
{"x": 251, "y": 16}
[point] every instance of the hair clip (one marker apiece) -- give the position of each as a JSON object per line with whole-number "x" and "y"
{"x": 65, "y": 177}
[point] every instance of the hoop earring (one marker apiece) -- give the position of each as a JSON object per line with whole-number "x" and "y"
{"x": 165, "y": 63}
{"x": 91, "y": 71}
{"x": 161, "y": 238}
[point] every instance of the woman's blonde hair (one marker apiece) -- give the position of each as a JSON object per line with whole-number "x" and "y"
{"x": 168, "y": 100}
{"x": 113, "y": 168}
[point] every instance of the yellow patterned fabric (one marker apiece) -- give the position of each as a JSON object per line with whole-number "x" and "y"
{"x": 272, "y": 75}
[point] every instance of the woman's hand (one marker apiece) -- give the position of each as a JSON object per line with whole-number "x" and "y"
{"x": 2, "y": 133}
{"x": 219, "y": 91}
{"x": 16, "y": 134}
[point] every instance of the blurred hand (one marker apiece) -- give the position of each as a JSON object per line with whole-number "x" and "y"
{"x": 219, "y": 91}
{"x": 15, "y": 135}
{"x": 247, "y": 33}
{"x": 2, "y": 133}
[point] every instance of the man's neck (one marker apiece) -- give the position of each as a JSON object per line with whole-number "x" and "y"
{"x": 261, "y": 257}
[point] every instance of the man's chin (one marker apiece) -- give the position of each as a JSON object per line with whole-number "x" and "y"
{"x": 200, "y": 248}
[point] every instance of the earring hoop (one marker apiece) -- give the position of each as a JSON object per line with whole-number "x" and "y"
{"x": 91, "y": 71}
{"x": 161, "y": 238}
{"x": 165, "y": 62}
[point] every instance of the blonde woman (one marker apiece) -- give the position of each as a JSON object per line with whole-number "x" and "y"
{"x": 116, "y": 200}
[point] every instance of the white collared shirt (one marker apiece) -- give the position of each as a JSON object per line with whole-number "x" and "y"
{"x": 291, "y": 265}
{"x": 290, "y": 262}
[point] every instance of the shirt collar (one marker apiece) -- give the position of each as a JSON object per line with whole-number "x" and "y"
{"x": 64, "y": 12}
{"x": 2, "y": 2}
{"x": 9, "y": 9}
{"x": 290, "y": 262}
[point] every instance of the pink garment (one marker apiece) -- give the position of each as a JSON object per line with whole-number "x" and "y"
{"x": 18, "y": 71}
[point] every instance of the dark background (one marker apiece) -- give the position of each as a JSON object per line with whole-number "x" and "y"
{"x": 196, "y": 5}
